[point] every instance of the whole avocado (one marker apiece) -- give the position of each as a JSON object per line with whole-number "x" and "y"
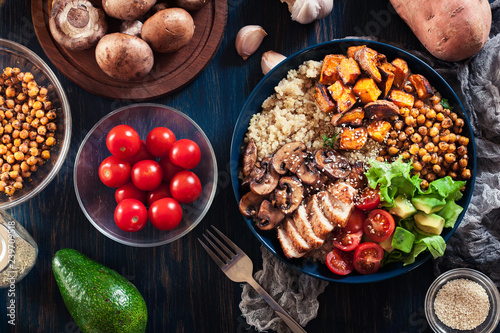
{"x": 98, "y": 298}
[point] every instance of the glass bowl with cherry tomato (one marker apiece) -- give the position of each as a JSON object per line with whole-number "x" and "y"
{"x": 145, "y": 175}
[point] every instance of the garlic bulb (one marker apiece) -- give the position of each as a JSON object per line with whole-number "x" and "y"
{"x": 269, "y": 60}
{"x": 249, "y": 39}
{"x": 306, "y": 11}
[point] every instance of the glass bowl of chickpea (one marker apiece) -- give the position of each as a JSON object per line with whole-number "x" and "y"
{"x": 35, "y": 124}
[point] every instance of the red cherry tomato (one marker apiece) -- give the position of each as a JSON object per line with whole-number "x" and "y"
{"x": 340, "y": 262}
{"x": 379, "y": 225}
{"x": 345, "y": 240}
{"x": 367, "y": 258}
{"x": 185, "y": 187}
{"x": 356, "y": 220}
{"x": 185, "y": 153}
{"x": 169, "y": 169}
{"x": 123, "y": 141}
{"x": 129, "y": 191}
{"x": 165, "y": 214}
{"x": 368, "y": 199}
{"x": 114, "y": 172}
{"x": 162, "y": 191}
{"x": 141, "y": 155}
{"x": 159, "y": 141}
{"x": 147, "y": 175}
{"x": 131, "y": 215}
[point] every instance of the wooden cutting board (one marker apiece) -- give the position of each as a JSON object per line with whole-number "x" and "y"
{"x": 170, "y": 72}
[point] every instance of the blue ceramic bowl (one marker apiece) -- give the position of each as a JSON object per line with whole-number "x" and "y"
{"x": 265, "y": 88}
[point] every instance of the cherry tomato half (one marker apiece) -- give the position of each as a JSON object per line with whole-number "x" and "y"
{"x": 114, "y": 172}
{"x": 185, "y": 153}
{"x": 379, "y": 225}
{"x": 129, "y": 191}
{"x": 169, "y": 169}
{"x": 368, "y": 199}
{"x": 340, "y": 262}
{"x": 346, "y": 240}
{"x": 185, "y": 187}
{"x": 159, "y": 141}
{"x": 165, "y": 214}
{"x": 367, "y": 258}
{"x": 162, "y": 191}
{"x": 147, "y": 175}
{"x": 123, "y": 141}
{"x": 141, "y": 155}
{"x": 356, "y": 220}
{"x": 131, "y": 215}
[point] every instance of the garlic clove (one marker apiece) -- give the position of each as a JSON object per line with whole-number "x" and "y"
{"x": 306, "y": 11}
{"x": 269, "y": 60}
{"x": 249, "y": 39}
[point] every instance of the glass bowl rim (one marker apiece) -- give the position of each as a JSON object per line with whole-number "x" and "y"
{"x": 47, "y": 71}
{"x": 203, "y": 212}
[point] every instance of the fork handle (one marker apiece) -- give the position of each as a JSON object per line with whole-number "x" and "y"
{"x": 292, "y": 324}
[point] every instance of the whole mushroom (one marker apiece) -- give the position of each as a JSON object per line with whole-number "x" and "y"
{"x": 76, "y": 24}
{"x": 124, "y": 57}
{"x": 127, "y": 9}
{"x": 191, "y": 4}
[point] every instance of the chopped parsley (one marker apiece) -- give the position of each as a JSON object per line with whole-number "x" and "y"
{"x": 329, "y": 142}
{"x": 445, "y": 104}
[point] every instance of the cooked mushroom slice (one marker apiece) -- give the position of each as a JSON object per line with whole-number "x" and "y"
{"x": 332, "y": 163}
{"x": 289, "y": 157}
{"x": 357, "y": 177}
{"x": 269, "y": 216}
{"x": 76, "y": 24}
{"x": 289, "y": 194}
{"x": 250, "y": 204}
{"x": 249, "y": 158}
{"x": 309, "y": 174}
{"x": 267, "y": 181}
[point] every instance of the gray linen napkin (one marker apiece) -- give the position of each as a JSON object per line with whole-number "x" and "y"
{"x": 475, "y": 244}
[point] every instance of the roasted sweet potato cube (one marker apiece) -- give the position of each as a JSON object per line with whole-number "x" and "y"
{"x": 401, "y": 74}
{"x": 323, "y": 99}
{"x": 401, "y": 98}
{"x": 352, "y": 117}
{"x": 367, "y": 90}
{"x": 422, "y": 86}
{"x": 353, "y": 138}
{"x": 329, "y": 73}
{"x": 380, "y": 109}
{"x": 379, "y": 130}
{"x": 336, "y": 90}
{"x": 387, "y": 71}
{"x": 351, "y": 51}
{"x": 348, "y": 71}
{"x": 346, "y": 100}
{"x": 368, "y": 61}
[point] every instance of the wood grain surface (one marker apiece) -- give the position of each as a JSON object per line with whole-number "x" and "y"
{"x": 184, "y": 290}
{"x": 170, "y": 72}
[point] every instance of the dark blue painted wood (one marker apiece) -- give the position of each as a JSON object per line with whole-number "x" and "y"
{"x": 184, "y": 290}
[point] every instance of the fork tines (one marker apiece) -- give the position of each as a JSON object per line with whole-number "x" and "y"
{"x": 224, "y": 253}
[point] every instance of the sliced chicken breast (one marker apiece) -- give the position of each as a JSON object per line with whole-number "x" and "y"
{"x": 304, "y": 227}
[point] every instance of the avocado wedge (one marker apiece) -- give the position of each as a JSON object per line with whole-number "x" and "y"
{"x": 98, "y": 298}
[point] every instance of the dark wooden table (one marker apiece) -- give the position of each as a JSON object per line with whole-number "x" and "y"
{"x": 183, "y": 289}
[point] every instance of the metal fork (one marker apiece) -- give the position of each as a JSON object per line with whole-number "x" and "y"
{"x": 239, "y": 268}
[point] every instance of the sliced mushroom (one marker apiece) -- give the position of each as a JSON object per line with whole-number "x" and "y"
{"x": 250, "y": 204}
{"x": 289, "y": 194}
{"x": 257, "y": 172}
{"x": 76, "y": 24}
{"x": 267, "y": 181}
{"x": 332, "y": 163}
{"x": 249, "y": 158}
{"x": 357, "y": 177}
{"x": 310, "y": 175}
{"x": 289, "y": 157}
{"x": 269, "y": 216}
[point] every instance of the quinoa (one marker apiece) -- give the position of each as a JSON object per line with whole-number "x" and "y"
{"x": 291, "y": 114}
{"x": 462, "y": 304}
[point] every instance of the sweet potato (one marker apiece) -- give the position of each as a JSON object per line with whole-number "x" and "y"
{"x": 368, "y": 61}
{"x": 343, "y": 95}
{"x": 422, "y": 86}
{"x": 380, "y": 109}
{"x": 348, "y": 71}
{"x": 353, "y": 138}
{"x": 329, "y": 73}
{"x": 352, "y": 117}
{"x": 387, "y": 72}
{"x": 401, "y": 98}
{"x": 323, "y": 99}
{"x": 351, "y": 51}
{"x": 367, "y": 90}
{"x": 379, "y": 130}
{"x": 451, "y": 30}
{"x": 401, "y": 74}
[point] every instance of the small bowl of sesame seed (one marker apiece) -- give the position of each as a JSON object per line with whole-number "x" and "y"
{"x": 462, "y": 300}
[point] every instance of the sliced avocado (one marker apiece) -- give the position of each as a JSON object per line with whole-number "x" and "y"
{"x": 429, "y": 223}
{"x": 386, "y": 245}
{"x": 98, "y": 298}
{"x": 403, "y": 240}
{"x": 450, "y": 213}
{"x": 428, "y": 203}
{"x": 403, "y": 207}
